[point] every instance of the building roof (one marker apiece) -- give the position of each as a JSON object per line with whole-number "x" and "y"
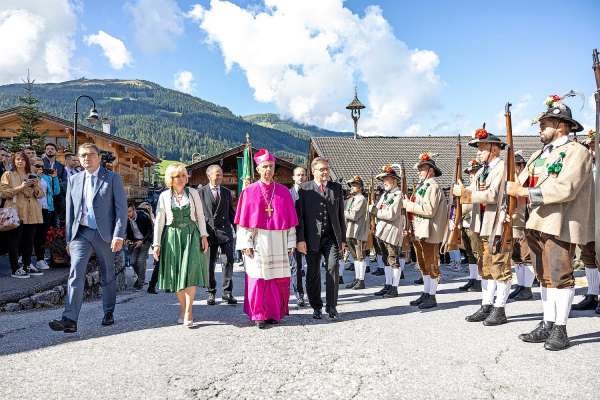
{"x": 87, "y": 130}
{"x": 232, "y": 152}
{"x": 365, "y": 156}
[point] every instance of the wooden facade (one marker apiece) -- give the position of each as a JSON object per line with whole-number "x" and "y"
{"x": 132, "y": 161}
{"x": 228, "y": 161}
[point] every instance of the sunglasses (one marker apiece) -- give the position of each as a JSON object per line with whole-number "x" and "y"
{"x": 39, "y": 166}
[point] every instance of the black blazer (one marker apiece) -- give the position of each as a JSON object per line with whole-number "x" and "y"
{"x": 219, "y": 217}
{"x": 309, "y": 229}
{"x": 144, "y": 224}
{"x": 60, "y": 169}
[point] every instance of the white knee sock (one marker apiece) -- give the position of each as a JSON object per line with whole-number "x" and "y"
{"x": 548, "y": 304}
{"x": 426, "y": 283}
{"x": 388, "y": 274}
{"x": 593, "y": 280}
{"x": 433, "y": 283}
{"x": 396, "y": 276}
{"x": 519, "y": 273}
{"x": 528, "y": 275}
{"x": 563, "y": 301}
{"x": 502, "y": 292}
{"x": 402, "y": 263}
{"x": 489, "y": 292}
{"x": 363, "y": 269}
{"x": 473, "y": 271}
{"x": 478, "y": 276}
{"x": 341, "y": 267}
{"x": 357, "y": 269}
{"x": 380, "y": 262}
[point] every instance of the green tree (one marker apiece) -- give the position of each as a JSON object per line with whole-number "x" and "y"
{"x": 28, "y": 134}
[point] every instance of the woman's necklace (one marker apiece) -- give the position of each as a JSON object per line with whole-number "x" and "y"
{"x": 178, "y": 197}
{"x": 269, "y": 209}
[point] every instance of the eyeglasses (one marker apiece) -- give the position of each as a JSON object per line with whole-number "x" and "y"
{"x": 39, "y": 166}
{"x": 179, "y": 176}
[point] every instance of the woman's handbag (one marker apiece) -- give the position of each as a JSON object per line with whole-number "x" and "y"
{"x": 9, "y": 218}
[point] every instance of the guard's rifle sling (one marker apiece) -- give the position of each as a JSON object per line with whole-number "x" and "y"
{"x": 455, "y": 236}
{"x": 408, "y": 238}
{"x": 509, "y": 203}
{"x": 372, "y": 222}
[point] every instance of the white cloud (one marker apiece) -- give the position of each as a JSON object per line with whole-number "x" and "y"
{"x": 184, "y": 81}
{"x": 114, "y": 49}
{"x": 36, "y": 34}
{"x": 523, "y": 111}
{"x": 305, "y": 57}
{"x": 157, "y": 24}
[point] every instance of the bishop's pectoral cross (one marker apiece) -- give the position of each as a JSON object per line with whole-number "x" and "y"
{"x": 269, "y": 210}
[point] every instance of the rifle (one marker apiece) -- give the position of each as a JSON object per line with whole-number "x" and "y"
{"x": 406, "y": 242}
{"x": 596, "y": 68}
{"x": 372, "y": 222}
{"x": 455, "y": 236}
{"x": 509, "y": 203}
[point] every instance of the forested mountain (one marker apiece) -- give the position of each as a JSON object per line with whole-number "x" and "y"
{"x": 170, "y": 124}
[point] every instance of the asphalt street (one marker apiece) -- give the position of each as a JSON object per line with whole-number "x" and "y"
{"x": 378, "y": 349}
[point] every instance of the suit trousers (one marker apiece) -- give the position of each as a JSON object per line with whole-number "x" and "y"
{"x": 555, "y": 269}
{"x": 330, "y": 251}
{"x": 296, "y": 272}
{"x": 87, "y": 241}
{"x": 138, "y": 258}
{"x": 227, "y": 249}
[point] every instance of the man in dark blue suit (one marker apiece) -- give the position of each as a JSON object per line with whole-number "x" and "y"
{"x": 96, "y": 221}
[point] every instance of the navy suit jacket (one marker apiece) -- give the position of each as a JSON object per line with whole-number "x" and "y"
{"x": 110, "y": 205}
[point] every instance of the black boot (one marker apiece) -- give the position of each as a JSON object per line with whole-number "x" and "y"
{"x": 515, "y": 292}
{"x": 589, "y": 302}
{"x": 351, "y": 284}
{"x": 536, "y": 283}
{"x": 428, "y": 302}
{"x": 418, "y": 281}
{"x": 419, "y": 299}
{"x": 476, "y": 286}
{"x": 360, "y": 284}
{"x": 481, "y": 314}
{"x": 558, "y": 339}
{"x": 539, "y": 334}
{"x": 598, "y": 308}
{"x": 341, "y": 280}
{"x": 465, "y": 287}
{"x": 379, "y": 272}
{"x": 368, "y": 269}
{"x": 402, "y": 275}
{"x": 383, "y": 290}
{"x": 524, "y": 294}
{"x": 496, "y": 317}
{"x": 392, "y": 292}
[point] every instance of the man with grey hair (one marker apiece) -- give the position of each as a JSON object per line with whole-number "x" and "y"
{"x": 219, "y": 213}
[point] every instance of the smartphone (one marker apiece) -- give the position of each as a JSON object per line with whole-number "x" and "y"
{"x": 48, "y": 171}
{"x": 32, "y": 176}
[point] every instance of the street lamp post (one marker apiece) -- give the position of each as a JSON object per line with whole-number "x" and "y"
{"x": 355, "y": 106}
{"x": 92, "y": 118}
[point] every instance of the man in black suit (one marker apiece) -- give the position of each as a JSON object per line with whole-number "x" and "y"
{"x": 321, "y": 231}
{"x": 139, "y": 240}
{"x": 219, "y": 214}
{"x": 50, "y": 162}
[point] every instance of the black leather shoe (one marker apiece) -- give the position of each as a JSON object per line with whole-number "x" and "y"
{"x": 272, "y": 321}
{"x": 360, "y": 284}
{"x": 536, "y": 283}
{"x": 301, "y": 302}
{"x": 383, "y": 290}
{"x": 524, "y": 294}
{"x": 152, "y": 290}
{"x": 496, "y": 317}
{"x": 476, "y": 286}
{"x": 63, "y": 325}
{"x": 341, "y": 280}
{"x": 229, "y": 299}
{"x": 351, "y": 284}
{"x": 428, "y": 302}
{"x": 558, "y": 339}
{"x": 401, "y": 274}
{"x": 379, "y": 272}
{"x": 317, "y": 314}
{"x": 108, "y": 319}
{"x": 392, "y": 292}
{"x": 419, "y": 299}
{"x": 418, "y": 281}
{"x": 261, "y": 324}
{"x": 466, "y": 286}
{"x": 480, "y": 315}
{"x": 589, "y": 302}
{"x": 368, "y": 270}
{"x": 211, "y": 299}
{"x": 515, "y": 292}
{"x": 598, "y": 309}
{"x": 333, "y": 314}
{"x": 539, "y": 334}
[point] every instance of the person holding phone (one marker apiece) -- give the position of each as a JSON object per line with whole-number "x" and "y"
{"x": 20, "y": 189}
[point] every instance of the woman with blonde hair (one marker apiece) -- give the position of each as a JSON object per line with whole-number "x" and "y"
{"x": 180, "y": 241}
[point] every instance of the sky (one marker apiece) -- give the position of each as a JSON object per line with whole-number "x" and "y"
{"x": 428, "y": 67}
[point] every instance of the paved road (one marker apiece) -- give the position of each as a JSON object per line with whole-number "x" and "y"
{"x": 380, "y": 349}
